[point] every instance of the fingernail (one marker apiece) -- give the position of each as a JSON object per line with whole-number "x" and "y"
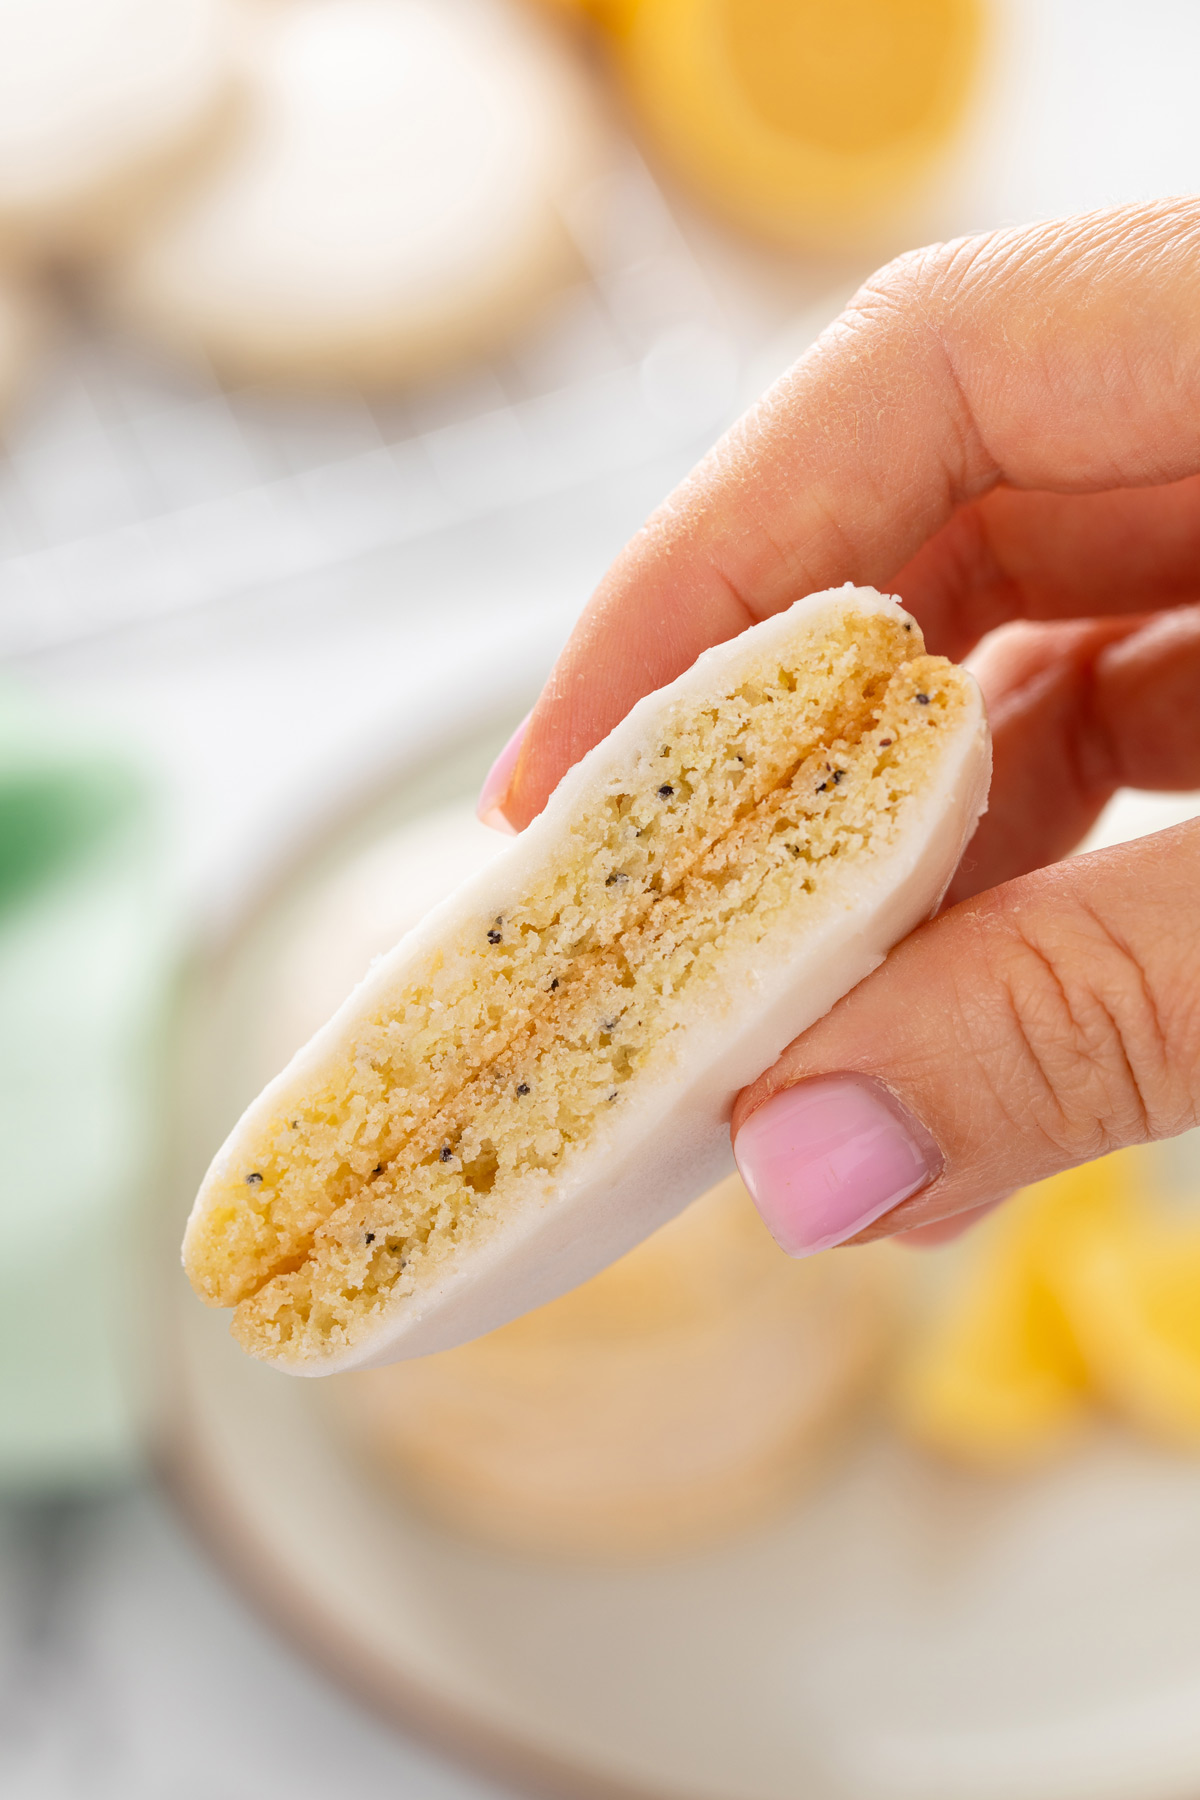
{"x": 498, "y": 780}
{"x": 825, "y": 1158}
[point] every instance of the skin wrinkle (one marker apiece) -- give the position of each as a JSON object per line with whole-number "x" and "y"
{"x": 1170, "y": 1118}
{"x": 1028, "y": 1005}
{"x": 1108, "y": 980}
{"x": 1085, "y": 970}
{"x": 1116, "y": 1039}
{"x": 1126, "y": 1030}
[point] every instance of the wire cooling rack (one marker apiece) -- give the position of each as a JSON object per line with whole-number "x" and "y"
{"x": 130, "y": 489}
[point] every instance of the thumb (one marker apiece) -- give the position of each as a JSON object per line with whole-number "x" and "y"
{"x": 1037, "y": 1026}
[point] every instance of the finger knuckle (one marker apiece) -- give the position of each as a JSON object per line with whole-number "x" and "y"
{"x": 926, "y": 284}
{"x": 1085, "y": 1056}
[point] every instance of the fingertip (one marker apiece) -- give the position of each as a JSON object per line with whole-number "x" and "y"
{"x": 491, "y": 807}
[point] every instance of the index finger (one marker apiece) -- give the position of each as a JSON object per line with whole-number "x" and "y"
{"x": 1065, "y": 356}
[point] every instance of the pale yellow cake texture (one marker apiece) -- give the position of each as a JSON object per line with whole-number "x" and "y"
{"x": 496, "y": 1062}
{"x": 686, "y": 1393}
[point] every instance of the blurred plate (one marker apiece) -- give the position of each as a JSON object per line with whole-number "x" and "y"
{"x": 910, "y": 1633}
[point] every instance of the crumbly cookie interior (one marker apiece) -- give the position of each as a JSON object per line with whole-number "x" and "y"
{"x": 493, "y": 1063}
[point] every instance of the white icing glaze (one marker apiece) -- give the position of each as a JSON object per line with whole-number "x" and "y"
{"x": 669, "y": 1141}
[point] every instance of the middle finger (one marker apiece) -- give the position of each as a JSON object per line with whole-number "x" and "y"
{"x": 1079, "y": 709}
{"x": 1025, "y": 555}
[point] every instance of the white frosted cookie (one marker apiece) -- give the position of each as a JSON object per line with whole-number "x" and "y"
{"x": 390, "y": 203}
{"x": 685, "y": 1393}
{"x": 542, "y": 1073}
{"x": 100, "y": 100}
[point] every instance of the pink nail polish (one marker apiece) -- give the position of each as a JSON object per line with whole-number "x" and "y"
{"x": 825, "y": 1158}
{"x": 496, "y": 783}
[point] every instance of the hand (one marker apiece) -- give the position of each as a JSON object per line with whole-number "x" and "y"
{"x": 1005, "y": 431}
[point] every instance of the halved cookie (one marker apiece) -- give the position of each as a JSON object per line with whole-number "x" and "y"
{"x": 542, "y": 1073}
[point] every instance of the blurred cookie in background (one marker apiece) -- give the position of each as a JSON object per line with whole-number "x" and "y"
{"x": 389, "y": 204}
{"x": 566, "y": 9}
{"x": 808, "y": 123}
{"x": 101, "y": 102}
{"x": 685, "y": 1394}
{"x": 20, "y": 331}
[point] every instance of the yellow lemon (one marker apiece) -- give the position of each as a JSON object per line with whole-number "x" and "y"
{"x": 995, "y": 1379}
{"x": 1134, "y": 1306}
{"x": 803, "y": 120}
{"x": 1127, "y": 1278}
{"x": 996, "y": 1376}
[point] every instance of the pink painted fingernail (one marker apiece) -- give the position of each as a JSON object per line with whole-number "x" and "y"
{"x": 825, "y": 1158}
{"x": 499, "y": 777}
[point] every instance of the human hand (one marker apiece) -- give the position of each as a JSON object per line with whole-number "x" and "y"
{"x": 1005, "y": 431}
